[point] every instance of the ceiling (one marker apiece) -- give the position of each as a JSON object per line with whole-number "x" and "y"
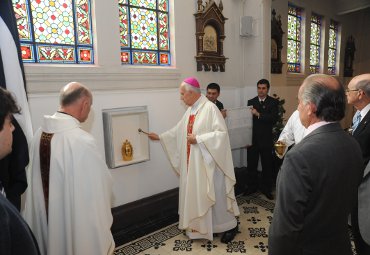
{"x": 347, "y": 6}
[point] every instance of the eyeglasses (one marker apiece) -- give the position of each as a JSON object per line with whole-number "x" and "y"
{"x": 348, "y": 90}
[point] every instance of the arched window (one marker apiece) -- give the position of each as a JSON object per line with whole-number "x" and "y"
{"x": 294, "y": 39}
{"x": 144, "y": 29}
{"x": 55, "y": 31}
{"x": 315, "y": 43}
{"x": 333, "y": 47}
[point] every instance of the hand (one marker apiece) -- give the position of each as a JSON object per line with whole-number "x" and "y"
{"x": 153, "y": 136}
{"x": 191, "y": 139}
{"x": 255, "y": 112}
{"x": 223, "y": 112}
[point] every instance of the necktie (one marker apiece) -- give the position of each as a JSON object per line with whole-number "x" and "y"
{"x": 356, "y": 120}
{"x": 2, "y": 191}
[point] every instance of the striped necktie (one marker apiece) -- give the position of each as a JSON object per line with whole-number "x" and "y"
{"x": 356, "y": 121}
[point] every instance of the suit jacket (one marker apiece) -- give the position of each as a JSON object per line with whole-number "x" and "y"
{"x": 262, "y": 126}
{"x": 362, "y": 135}
{"x": 316, "y": 190}
{"x": 15, "y": 235}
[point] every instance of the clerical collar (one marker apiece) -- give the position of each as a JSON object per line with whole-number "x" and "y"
{"x": 65, "y": 113}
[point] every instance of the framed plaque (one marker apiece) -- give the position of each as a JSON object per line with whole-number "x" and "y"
{"x": 121, "y": 135}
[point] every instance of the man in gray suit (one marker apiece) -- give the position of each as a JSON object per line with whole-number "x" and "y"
{"x": 358, "y": 95}
{"x": 317, "y": 183}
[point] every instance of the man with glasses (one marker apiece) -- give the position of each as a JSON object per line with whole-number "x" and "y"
{"x": 358, "y": 95}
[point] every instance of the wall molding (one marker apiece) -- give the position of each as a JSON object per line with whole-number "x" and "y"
{"x": 50, "y": 79}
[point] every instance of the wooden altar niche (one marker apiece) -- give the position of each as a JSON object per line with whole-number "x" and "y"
{"x": 276, "y": 43}
{"x": 210, "y": 35}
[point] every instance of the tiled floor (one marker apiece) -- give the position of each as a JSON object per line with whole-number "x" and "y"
{"x": 254, "y": 220}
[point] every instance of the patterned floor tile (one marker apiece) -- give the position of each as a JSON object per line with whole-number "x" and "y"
{"x": 255, "y": 218}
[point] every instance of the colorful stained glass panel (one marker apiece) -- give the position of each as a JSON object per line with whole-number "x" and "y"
{"x": 27, "y": 52}
{"x": 332, "y": 52}
{"x": 147, "y": 58}
{"x": 125, "y": 57}
{"x": 83, "y": 21}
{"x": 123, "y": 26}
{"x": 61, "y": 31}
{"x": 163, "y": 32}
{"x": 294, "y": 40}
{"x": 56, "y": 54}
{"x": 163, "y": 5}
{"x": 143, "y": 29}
{"x": 144, "y": 32}
{"x": 150, "y": 4}
{"x": 53, "y": 21}
{"x": 22, "y": 18}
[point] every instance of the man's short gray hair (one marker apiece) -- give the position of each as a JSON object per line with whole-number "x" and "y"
{"x": 327, "y": 94}
{"x": 364, "y": 85}
{"x": 188, "y": 87}
{"x": 71, "y": 95}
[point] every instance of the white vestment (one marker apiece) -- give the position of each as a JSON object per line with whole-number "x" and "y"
{"x": 79, "y": 211}
{"x": 293, "y": 131}
{"x": 207, "y": 201}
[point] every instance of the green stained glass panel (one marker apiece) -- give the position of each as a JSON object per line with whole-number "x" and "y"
{"x": 23, "y": 23}
{"x": 122, "y": 1}
{"x": 314, "y": 55}
{"x": 83, "y": 21}
{"x": 163, "y": 5}
{"x": 163, "y": 31}
{"x": 332, "y": 38}
{"x": 143, "y": 29}
{"x": 292, "y": 27}
{"x": 315, "y": 34}
{"x": 150, "y": 4}
{"x": 294, "y": 38}
{"x": 123, "y": 26}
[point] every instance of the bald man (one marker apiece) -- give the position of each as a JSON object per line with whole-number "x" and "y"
{"x": 68, "y": 201}
{"x": 358, "y": 95}
{"x": 317, "y": 183}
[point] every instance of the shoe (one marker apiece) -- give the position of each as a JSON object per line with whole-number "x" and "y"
{"x": 268, "y": 195}
{"x": 229, "y": 235}
{"x": 249, "y": 191}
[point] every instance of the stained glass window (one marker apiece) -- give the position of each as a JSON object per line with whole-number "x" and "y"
{"x": 144, "y": 29}
{"x": 294, "y": 39}
{"x": 315, "y": 43}
{"x": 332, "y": 52}
{"x": 55, "y": 31}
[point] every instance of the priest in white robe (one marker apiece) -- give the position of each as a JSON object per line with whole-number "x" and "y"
{"x": 68, "y": 200}
{"x": 198, "y": 148}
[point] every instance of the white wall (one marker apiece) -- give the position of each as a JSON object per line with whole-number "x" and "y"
{"x": 115, "y": 86}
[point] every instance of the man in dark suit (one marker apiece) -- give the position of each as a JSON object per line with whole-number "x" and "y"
{"x": 317, "y": 183}
{"x": 358, "y": 95}
{"x": 265, "y": 114}
{"x": 15, "y": 235}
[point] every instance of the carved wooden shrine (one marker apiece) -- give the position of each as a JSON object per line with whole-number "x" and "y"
{"x": 210, "y": 35}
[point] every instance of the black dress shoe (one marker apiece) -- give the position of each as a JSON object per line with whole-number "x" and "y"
{"x": 268, "y": 195}
{"x": 229, "y": 235}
